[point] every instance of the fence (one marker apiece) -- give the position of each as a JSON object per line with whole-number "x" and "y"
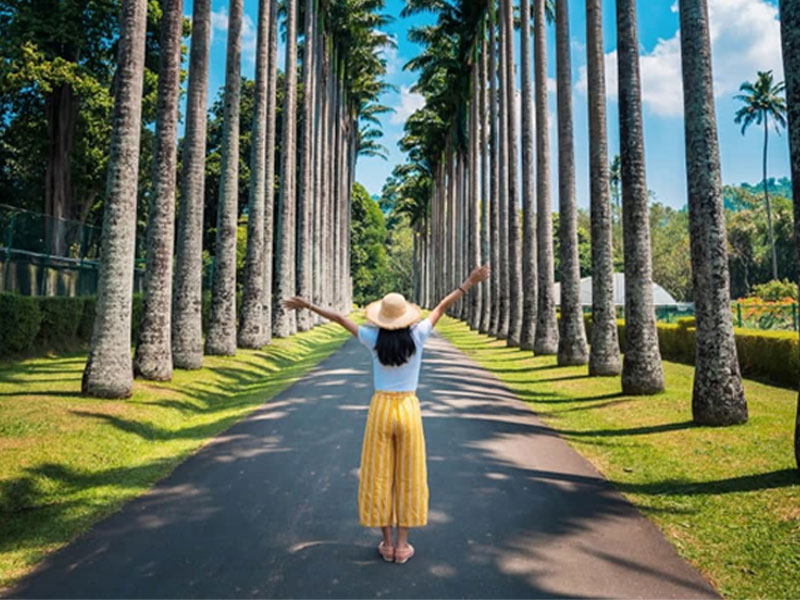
{"x": 47, "y": 256}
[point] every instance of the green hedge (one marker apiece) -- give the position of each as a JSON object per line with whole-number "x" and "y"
{"x": 32, "y": 325}
{"x": 37, "y": 324}
{"x": 773, "y": 356}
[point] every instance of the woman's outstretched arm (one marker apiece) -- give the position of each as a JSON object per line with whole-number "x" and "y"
{"x": 298, "y": 302}
{"x": 478, "y": 274}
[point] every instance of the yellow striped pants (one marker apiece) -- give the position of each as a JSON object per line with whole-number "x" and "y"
{"x": 393, "y": 481}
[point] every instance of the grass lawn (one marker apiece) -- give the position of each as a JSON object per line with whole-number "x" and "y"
{"x": 727, "y": 498}
{"x": 67, "y": 461}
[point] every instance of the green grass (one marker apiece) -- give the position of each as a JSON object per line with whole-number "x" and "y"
{"x": 727, "y": 498}
{"x": 67, "y": 461}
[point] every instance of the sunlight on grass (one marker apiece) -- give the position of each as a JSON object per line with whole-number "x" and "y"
{"x": 66, "y": 461}
{"x": 727, "y": 498}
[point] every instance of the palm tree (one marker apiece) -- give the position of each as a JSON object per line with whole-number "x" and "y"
{"x": 221, "y": 335}
{"x": 546, "y": 341}
{"x": 762, "y": 101}
{"x": 642, "y": 372}
{"x": 718, "y": 396}
{"x": 514, "y": 258}
{"x": 251, "y": 322}
{"x": 474, "y": 197}
{"x": 505, "y": 103}
{"x": 528, "y": 326}
{"x": 790, "y": 36}
{"x": 109, "y": 370}
{"x": 487, "y": 299}
{"x": 153, "y": 358}
{"x": 494, "y": 170}
{"x": 187, "y": 332}
{"x": 269, "y": 169}
{"x": 304, "y": 200}
{"x": 604, "y": 348}
{"x": 284, "y": 322}
{"x": 572, "y": 348}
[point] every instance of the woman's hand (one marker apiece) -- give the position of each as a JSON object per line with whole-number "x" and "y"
{"x": 295, "y": 303}
{"x": 479, "y": 274}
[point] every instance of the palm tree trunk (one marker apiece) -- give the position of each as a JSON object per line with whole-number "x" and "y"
{"x": 221, "y": 336}
{"x": 109, "y": 370}
{"x": 766, "y": 201}
{"x": 486, "y": 298}
{"x": 494, "y": 168}
{"x": 187, "y": 332}
{"x": 642, "y": 372}
{"x": 528, "y": 327}
{"x": 285, "y": 323}
{"x": 304, "y": 200}
{"x": 718, "y": 396}
{"x": 572, "y": 349}
{"x": 604, "y": 356}
{"x": 505, "y": 106}
{"x": 319, "y": 130}
{"x": 546, "y": 340}
{"x": 474, "y": 199}
{"x": 515, "y": 292}
{"x": 153, "y": 358}
{"x": 790, "y": 36}
{"x": 269, "y": 168}
{"x": 251, "y": 322}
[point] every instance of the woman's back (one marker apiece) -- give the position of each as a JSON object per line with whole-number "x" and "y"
{"x": 396, "y": 378}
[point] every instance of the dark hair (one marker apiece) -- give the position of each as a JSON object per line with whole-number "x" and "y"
{"x": 394, "y": 346}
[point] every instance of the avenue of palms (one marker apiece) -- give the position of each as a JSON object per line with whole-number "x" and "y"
{"x": 465, "y": 197}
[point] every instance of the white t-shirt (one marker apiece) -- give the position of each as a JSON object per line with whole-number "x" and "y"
{"x": 402, "y": 378}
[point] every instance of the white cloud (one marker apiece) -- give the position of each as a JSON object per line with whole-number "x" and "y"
{"x": 745, "y": 38}
{"x": 219, "y": 22}
{"x": 409, "y": 102}
{"x": 393, "y": 64}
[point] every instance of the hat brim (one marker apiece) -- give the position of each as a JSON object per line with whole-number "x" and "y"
{"x": 412, "y": 314}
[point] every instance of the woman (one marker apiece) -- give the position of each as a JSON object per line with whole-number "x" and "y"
{"x": 393, "y": 483}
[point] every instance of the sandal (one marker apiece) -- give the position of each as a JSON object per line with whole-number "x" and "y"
{"x": 387, "y": 552}
{"x": 403, "y": 554}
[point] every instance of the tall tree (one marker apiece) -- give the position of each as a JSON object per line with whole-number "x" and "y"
{"x": 109, "y": 370}
{"x": 790, "y": 36}
{"x": 718, "y": 396}
{"x": 572, "y": 348}
{"x": 515, "y": 290}
{"x": 604, "y": 356}
{"x": 505, "y": 103}
{"x": 221, "y": 335}
{"x": 187, "y": 332}
{"x": 304, "y": 200}
{"x": 546, "y": 339}
{"x": 153, "y": 358}
{"x": 763, "y": 100}
{"x": 494, "y": 170}
{"x": 285, "y": 323}
{"x": 269, "y": 168}
{"x": 642, "y": 372}
{"x": 474, "y": 198}
{"x": 251, "y": 322}
{"x": 528, "y": 326}
{"x": 486, "y": 289}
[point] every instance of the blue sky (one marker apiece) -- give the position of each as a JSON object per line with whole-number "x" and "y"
{"x": 745, "y": 39}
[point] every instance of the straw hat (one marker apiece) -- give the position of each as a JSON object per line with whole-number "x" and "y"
{"x": 393, "y": 312}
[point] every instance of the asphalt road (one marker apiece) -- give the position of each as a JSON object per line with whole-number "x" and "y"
{"x": 269, "y": 509}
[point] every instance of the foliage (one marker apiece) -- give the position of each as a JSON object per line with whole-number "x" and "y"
{"x": 369, "y": 261}
{"x": 60, "y": 64}
{"x": 776, "y": 290}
